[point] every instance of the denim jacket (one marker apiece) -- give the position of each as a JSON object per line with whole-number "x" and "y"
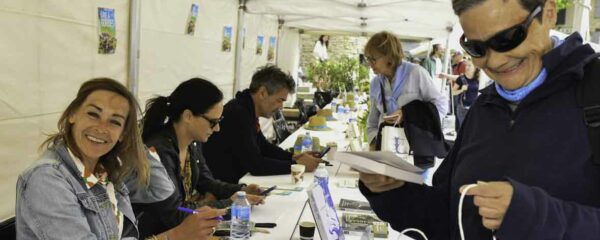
{"x": 54, "y": 203}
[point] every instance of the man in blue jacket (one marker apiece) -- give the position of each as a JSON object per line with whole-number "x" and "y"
{"x": 524, "y": 142}
{"x": 240, "y": 147}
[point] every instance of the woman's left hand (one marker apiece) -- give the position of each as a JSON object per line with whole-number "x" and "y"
{"x": 492, "y": 199}
{"x": 395, "y": 117}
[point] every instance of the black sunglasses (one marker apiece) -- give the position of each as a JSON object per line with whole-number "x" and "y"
{"x": 212, "y": 122}
{"x": 503, "y": 41}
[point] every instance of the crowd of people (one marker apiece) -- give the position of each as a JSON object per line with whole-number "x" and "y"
{"x": 106, "y": 175}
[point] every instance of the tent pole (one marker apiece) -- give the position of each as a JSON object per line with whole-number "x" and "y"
{"x": 445, "y": 69}
{"x": 238, "y": 48}
{"x": 581, "y": 18}
{"x": 134, "y": 47}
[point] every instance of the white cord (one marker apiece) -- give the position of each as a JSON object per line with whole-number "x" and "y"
{"x": 460, "y": 225}
{"x": 460, "y": 204}
{"x": 414, "y": 230}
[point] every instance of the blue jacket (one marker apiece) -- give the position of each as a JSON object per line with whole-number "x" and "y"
{"x": 541, "y": 148}
{"x": 53, "y": 202}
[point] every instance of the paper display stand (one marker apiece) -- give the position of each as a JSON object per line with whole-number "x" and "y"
{"x": 323, "y": 210}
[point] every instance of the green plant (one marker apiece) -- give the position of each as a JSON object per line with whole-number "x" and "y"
{"x": 341, "y": 73}
{"x": 363, "y": 79}
{"x": 362, "y": 120}
{"x": 560, "y": 4}
{"x": 318, "y": 74}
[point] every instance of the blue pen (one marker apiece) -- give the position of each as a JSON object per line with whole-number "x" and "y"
{"x": 191, "y": 211}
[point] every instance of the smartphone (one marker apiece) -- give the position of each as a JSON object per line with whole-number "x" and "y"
{"x": 266, "y": 192}
{"x": 322, "y": 153}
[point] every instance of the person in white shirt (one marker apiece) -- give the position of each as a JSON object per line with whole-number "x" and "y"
{"x": 320, "y": 49}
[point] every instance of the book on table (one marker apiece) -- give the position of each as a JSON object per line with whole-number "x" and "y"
{"x": 384, "y": 163}
{"x": 356, "y": 222}
{"x": 353, "y": 205}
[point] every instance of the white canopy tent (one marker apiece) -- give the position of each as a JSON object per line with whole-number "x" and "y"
{"x": 51, "y": 46}
{"x": 406, "y": 18}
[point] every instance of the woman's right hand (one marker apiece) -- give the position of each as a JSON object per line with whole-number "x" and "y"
{"x": 198, "y": 226}
{"x": 379, "y": 183}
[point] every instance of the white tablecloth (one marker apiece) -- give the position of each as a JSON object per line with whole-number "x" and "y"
{"x": 288, "y": 211}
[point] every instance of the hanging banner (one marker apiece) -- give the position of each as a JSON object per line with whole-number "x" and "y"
{"x": 190, "y": 28}
{"x": 106, "y": 31}
{"x": 226, "y": 44}
{"x": 259, "y": 44}
{"x": 271, "y": 50}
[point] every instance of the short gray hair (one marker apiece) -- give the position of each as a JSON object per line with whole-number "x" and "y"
{"x": 461, "y": 6}
{"x": 273, "y": 79}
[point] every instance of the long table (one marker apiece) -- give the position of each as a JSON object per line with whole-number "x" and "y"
{"x": 288, "y": 211}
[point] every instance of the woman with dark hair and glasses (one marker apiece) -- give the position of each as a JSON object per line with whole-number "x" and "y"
{"x": 174, "y": 128}
{"x": 522, "y": 157}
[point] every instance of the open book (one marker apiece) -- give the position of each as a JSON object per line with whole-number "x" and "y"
{"x": 384, "y": 163}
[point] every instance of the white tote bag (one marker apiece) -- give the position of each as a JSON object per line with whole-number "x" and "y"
{"x": 394, "y": 140}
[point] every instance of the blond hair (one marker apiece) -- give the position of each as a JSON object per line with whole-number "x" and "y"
{"x": 386, "y": 44}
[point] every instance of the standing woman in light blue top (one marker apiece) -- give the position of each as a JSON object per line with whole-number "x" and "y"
{"x": 76, "y": 189}
{"x": 402, "y": 82}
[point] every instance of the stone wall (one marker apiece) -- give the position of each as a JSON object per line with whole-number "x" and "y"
{"x": 339, "y": 45}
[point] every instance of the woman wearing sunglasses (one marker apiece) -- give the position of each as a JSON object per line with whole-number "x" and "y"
{"x": 174, "y": 128}
{"x": 397, "y": 83}
{"x": 77, "y": 188}
{"x": 524, "y": 143}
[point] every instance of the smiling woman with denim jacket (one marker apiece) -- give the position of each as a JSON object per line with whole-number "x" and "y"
{"x": 76, "y": 190}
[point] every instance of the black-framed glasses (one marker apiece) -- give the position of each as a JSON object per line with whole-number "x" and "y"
{"x": 503, "y": 41}
{"x": 212, "y": 122}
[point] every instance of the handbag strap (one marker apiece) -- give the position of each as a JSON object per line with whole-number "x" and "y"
{"x": 383, "y": 97}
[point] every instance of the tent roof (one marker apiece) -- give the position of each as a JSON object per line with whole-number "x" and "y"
{"x": 411, "y": 19}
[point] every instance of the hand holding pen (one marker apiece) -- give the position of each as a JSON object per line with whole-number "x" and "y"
{"x": 191, "y": 211}
{"x": 200, "y": 224}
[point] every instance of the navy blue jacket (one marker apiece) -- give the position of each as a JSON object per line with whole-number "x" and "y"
{"x": 541, "y": 148}
{"x": 240, "y": 147}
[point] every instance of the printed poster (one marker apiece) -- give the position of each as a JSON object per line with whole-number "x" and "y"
{"x": 226, "y": 44}
{"x": 259, "y": 44}
{"x": 191, "y": 22}
{"x": 106, "y": 31}
{"x": 271, "y": 50}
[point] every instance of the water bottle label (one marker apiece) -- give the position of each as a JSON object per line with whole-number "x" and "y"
{"x": 242, "y": 213}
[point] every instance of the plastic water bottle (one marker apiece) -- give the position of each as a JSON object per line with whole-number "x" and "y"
{"x": 321, "y": 174}
{"x": 240, "y": 217}
{"x": 333, "y": 105}
{"x": 307, "y": 143}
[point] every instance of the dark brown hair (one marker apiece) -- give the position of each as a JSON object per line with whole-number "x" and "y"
{"x": 460, "y": 6}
